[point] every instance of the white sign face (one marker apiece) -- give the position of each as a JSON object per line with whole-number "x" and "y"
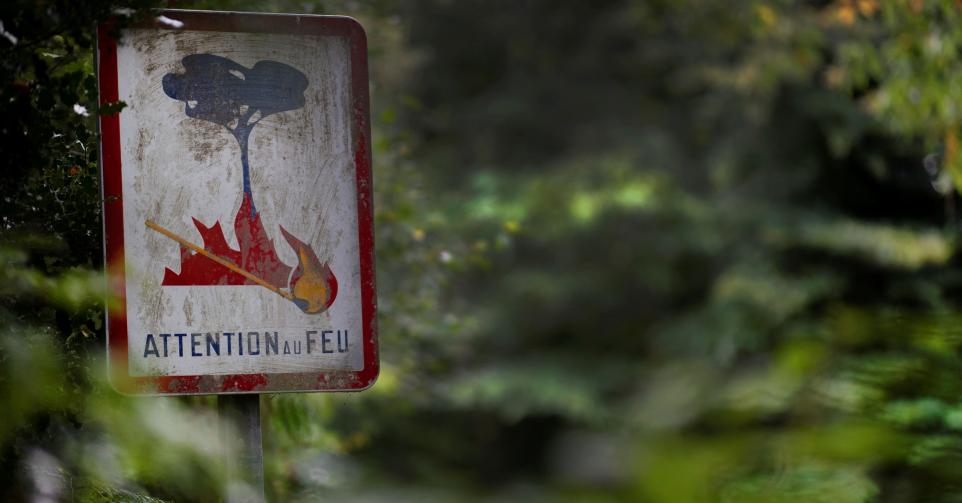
{"x": 244, "y": 182}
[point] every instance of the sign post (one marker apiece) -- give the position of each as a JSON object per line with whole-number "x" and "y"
{"x": 241, "y": 414}
{"x": 239, "y": 242}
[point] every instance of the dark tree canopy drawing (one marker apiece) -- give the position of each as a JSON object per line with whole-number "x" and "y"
{"x": 222, "y": 91}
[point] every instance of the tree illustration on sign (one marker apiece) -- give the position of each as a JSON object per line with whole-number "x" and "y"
{"x": 219, "y": 90}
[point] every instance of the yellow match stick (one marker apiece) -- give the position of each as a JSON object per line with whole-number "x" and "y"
{"x": 220, "y": 260}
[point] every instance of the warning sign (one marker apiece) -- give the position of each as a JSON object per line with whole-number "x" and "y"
{"x": 237, "y": 204}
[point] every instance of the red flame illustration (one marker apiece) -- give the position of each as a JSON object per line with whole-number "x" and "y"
{"x": 312, "y": 286}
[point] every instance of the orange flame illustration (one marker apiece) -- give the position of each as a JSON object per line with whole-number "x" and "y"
{"x": 312, "y": 283}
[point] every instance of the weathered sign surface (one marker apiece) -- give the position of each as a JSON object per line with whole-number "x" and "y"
{"x": 237, "y": 204}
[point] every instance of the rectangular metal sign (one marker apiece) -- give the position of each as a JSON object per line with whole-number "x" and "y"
{"x": 237, "y": 204}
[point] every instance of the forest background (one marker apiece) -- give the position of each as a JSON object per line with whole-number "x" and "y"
{"x": 658, "y": 251}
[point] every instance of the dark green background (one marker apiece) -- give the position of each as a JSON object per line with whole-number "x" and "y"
{"x": 658, "y": 251}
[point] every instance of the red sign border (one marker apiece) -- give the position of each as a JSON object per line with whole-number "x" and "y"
{"x": 111, "y": 186}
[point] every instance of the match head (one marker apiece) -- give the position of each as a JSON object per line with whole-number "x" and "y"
{"x": 305, "y": 306}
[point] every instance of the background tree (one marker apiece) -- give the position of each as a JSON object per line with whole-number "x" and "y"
{"x": 660, "y": 251}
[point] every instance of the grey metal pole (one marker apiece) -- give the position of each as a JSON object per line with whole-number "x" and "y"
{"x": 241, "y": 414}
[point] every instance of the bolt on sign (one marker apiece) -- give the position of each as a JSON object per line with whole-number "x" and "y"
{"x": 237, "y": 204}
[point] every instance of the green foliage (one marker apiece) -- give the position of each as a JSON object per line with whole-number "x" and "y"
{"x": 648, "y": 251}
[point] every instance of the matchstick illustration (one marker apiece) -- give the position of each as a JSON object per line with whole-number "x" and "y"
{"x": 308, "y": 286}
